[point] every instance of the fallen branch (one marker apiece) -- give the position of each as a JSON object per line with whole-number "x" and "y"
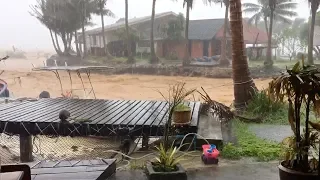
{"x": 222, "y": 111}
{"x": 4, "y": 58}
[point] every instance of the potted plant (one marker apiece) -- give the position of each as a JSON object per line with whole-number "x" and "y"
{"x": 181, "y": 114}
{"x": 300, "y": 86}
{"x": 166, "y": 165}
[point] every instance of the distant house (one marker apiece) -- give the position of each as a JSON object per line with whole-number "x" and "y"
{"x": 204, "y": 36}
{"x": 141, "y": 26}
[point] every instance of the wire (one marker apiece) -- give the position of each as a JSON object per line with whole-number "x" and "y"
{"x": 181, "y": 145}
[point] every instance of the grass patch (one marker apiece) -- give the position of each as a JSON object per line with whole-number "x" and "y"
{"x": 271, "y": 112}
{"x": 249, "y": 145}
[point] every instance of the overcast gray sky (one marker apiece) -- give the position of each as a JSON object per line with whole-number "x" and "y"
{"x": 20, "y": 29}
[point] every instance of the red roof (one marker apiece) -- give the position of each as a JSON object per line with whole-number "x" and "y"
{"x": 249, "y": 34}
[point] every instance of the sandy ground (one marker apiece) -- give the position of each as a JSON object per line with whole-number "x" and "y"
{"x": 23, "y": 82}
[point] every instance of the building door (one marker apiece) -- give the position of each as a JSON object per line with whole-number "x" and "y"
{"x": 206, "y": 48}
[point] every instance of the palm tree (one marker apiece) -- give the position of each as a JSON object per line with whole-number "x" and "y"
{"x": 314, "y": 8}
{"x": 244, "y": 86}
{"x": 154, "y": 59}
{"x": 130, "y": 57}
{"x": 83, "y": 20}
{"x": 102, "y": 12}
{"x": 189, "y": 5}
{"x": 279, "y": 10}
{"x": 223, "y": 59}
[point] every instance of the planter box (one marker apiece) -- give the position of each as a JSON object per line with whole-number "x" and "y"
{"x": 177, "y": 175}
{"x": 288, "y": 174}
{"x": 181, "y": 117}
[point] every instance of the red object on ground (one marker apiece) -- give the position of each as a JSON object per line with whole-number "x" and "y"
{"x": 210, "y": 154}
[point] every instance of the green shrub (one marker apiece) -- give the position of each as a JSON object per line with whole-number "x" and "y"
{"x": 271, "y": 111}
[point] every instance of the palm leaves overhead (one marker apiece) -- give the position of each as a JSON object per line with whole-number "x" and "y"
{"x": 261, "y": 11}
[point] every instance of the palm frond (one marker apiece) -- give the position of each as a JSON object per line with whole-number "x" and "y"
{"x": 286, "y": 6}
{"x": 251, "y": 5}
{"x": 251, "y": 10}
{"x": 287, "y": 13}
{"x": 255, "y": 19}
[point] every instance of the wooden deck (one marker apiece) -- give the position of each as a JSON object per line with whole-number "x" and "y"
{"x": 73, "y": 170}
{"x": 103, "y": 116}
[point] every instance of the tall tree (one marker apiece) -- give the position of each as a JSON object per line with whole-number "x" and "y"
{"x": 154, "y": 59}
{"x": 102, "y": 11}
{"x": 314, "y": 8}
{"x": 188, "y": 4}
{"x": 83, "y": 4}
{"x": 61, "y": 18}
{"x": 269, "y": 10}
{"x": 244, "y": 86}
{"x": 223, "y": 59}
{"x": 129, "y": 51}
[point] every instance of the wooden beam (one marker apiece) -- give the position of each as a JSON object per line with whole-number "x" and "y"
{"x": 26, "y": 148}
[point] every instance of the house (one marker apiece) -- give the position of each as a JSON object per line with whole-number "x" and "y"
{"x": 204, "y": 36}
{"x": 140, "y": 26}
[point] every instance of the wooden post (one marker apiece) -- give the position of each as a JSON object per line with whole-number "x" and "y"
{"x": 145, "y": 142}
{"x": 26, "y": 148}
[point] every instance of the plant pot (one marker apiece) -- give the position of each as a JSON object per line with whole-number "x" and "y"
{"x": 181, "y": 117}
{"x": 180, "y": 174}
{"x": 289, "y": 174}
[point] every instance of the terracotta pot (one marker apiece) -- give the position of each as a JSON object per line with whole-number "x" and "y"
{"x": 289, "y": 174}
{"x": 181, "y": 117}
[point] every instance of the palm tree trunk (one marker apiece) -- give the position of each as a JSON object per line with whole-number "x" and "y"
{"x": 85, "y": 50}
{"x": 58, "y": 45}
{"x": 69, "y": 42}
{"x": 266, "y": 24}
{"x": 77, "y": 43}
{"x": 269, "y": 61}
{"x": 244, "y": 87}
{"x": 53, "y": 42}
{"x": 223, "y": 59}
{"x": 64, "y": 39}
{"x": 186, "y": 59}
{"x": 105, "y": 47}
{"x": 130, "y": 58}
{"x": 154, "y": 58}
{"x": 84, "y": 40}
{"x": 314, "y": 8}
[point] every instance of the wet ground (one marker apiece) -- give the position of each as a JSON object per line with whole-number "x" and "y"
{"x": 255, "y": 171}
{"x": 272, "y": 132}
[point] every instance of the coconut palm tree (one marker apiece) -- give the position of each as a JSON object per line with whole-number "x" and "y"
{"x": 104, "y": 12}
{"x": 223, "y": 59}
{"x": 314, "y": 8}
{"x": 154, "y": 59}
{"x": 269, "y": 10}
{"x": 244, "y": 86}
{"x": 130, "y": 57}
{"x": 188, "y": 4}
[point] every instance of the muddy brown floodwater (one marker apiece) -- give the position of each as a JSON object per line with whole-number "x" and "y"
{"x": 139, "y": 87}
{"x": 26, "y": 83}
